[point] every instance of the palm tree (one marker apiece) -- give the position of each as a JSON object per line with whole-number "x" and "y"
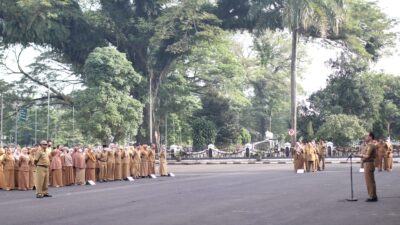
{"x": 303, "y": 17}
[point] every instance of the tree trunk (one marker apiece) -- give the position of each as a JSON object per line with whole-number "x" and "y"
{"x": 150, "y": 124}
{"x": 293, "y": 85}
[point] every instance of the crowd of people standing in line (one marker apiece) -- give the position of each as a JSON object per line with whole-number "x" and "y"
{"x": 310, "y": 156}
{"x": 40, "y": 166}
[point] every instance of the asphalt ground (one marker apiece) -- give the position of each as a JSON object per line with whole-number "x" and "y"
{"x": 215, "y": 194}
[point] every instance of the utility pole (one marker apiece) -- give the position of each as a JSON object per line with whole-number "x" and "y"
{"x": 35, "y": 125}
{"x": 16, "y": 124}
{"x": 48, "y": 109}
{"x": 73, "y": 123}
{"x": 166, "y": 130}
{"x": 73, "y": 118}
{"x": 150, "y": 110}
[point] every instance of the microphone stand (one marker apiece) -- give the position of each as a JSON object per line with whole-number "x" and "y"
{"x": 352, "y": 199}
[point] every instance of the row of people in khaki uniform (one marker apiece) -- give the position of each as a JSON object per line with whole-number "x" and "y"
{"x": 76, "y": 166}
{"x": 309, "y": 156}
{"x": 384, "y": 159}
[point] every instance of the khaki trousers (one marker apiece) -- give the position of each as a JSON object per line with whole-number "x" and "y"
{"x": 80, "y": 176}
{"x": 110, "y": 171}
{"x": 310, "y": 166}
{"x": 380, "y": 164}
{"x": 369, "y": 169}
{"x": 102, "y": 171}
{"x": 322, "y": 162}
{"x": 42, "y": 180}
{"x": 388, "y": 163}
{"x": 118, "y": 171}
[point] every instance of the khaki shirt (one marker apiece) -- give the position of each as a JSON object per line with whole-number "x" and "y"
{"x": 103, "y": 156}
{"x": 369, "y": 154}
{"x": 322, "y": 149}
{"x": 42, "y": 158}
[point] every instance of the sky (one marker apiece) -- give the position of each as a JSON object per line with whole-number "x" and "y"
{"x": 317, "y": 72}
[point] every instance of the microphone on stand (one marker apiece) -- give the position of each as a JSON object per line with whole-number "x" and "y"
{"x": 350, "y": 156}
{"x": 351, "y": 199}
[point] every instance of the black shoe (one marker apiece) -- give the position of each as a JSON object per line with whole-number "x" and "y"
{"x": 39, "y": 196}
{"x": 47, "y": 196}
{"x": 371, "y": 200}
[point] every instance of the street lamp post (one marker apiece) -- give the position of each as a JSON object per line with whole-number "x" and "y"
{"x": 35, "y": 125}
{"x": 16, "y": 124}
{"x": 48, "y": 109}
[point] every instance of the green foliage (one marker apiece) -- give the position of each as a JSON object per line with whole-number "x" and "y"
{"x": 245, "y": 136}
{"x": 367, "y": 29}
{"x": 342, "y": 129}
{"x": 268, "y": 80}
{"x": 250, "y": 15}
{"x": 203, "y": 133}
{"x": 109, "y": 66}
{"x": 355, "y": 91}
{"x": 218, "y": 109}
{"x": 313, "y": 17}
{"x": 49, "y": 22}
{"x": 310, "y": 131}
{"x": 193, "y": 66}
{"x": 213, "y": 66}
{"x": 107, "y": 114}
{"x": 349, "y": 91}
{"x": 105, "y": 109}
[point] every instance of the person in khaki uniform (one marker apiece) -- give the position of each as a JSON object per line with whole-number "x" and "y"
{"x": 118, "y": 164}
{"x": 49, "y": 149}
{"x": 136, "y": 162}
{"x": 163, "y": 163}
{"x": 42, "y": 163}
{"x": 321, "y": 154}
{"x": 298, "y": 160}
{"x": 310, "y": 157}
{"x": 369, "y": 168}
{"x": 8, "y": 162}
{"x": 56, "y": 169}
{"x": 381, "y": 152}
{"x": 90, "y": 159}
{"x": 389, "y": 157}
{"x": 152, "y": 160}
{"x": 2, "y": 185}
{"x": 80, "y": 167}
{"x": 23, "y": 176}
{"x": 126, "y": 159}
{"x": 67, "y": 167}
{"x": 316, "y": 156}
{"x": 110, "y": 165}
{"x": 17, "y": 153}
{"x": 32, "y": 168}
{"x": 102, "y": 158}
{"x": 144, "y": 163}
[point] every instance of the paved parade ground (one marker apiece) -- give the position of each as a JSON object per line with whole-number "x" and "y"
{"x": 214, "y": 194}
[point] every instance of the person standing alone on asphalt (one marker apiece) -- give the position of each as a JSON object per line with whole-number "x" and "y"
{"x": 42, "y": 163}
{"x": 368, "y": 159}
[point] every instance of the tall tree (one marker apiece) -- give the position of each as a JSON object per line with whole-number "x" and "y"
{"x": 301, "y": 14}
{"x": 105, "y": 109}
